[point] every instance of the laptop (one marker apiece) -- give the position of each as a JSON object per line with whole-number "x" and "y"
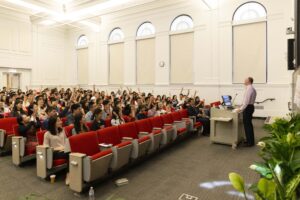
{"x": 227, "y": 102}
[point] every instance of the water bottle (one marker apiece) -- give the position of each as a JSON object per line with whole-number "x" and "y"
{"x": 91, "y": 194}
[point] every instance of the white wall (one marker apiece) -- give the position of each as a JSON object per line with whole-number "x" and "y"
{"x": 52, "y": 53}
{"x": 212, "y": 49}
{"x": 37, "y": 52}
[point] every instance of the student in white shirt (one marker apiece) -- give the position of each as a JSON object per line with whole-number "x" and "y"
{"x": 117, "y": 118}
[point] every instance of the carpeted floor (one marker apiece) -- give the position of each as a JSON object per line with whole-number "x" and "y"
{"x": 194, "y": 167}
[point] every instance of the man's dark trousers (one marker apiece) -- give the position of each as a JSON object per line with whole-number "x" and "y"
{"x": 248, "y": 126}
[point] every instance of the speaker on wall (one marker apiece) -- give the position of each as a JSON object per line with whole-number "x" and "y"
{"x": 291, "y": 54}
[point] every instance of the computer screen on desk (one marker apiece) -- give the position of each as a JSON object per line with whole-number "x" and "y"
{"x": 227, "y": 100}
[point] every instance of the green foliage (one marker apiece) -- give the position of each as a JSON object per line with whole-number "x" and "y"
{"x": 237, "y": 182}
{"x": 280, "y": 151}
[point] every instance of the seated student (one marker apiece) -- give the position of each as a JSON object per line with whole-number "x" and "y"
{"x": 160, "y": 110}
{"x": 56, "y": 138}
{"x": 75, "y": 110}
{"x": 79, "y": 125}
{"x": 54, "y": 104}
{"x": 117, "y": 117}
{"x": 41, "y": 108}
{"x": 1, "y": 108}
{"x": 129, "y": 113}
{"x": 106, "y": 114}
{"x": 18, "y": 109}
{"x": 97, "y": 123}
{"x": 27, "y": 129}
{"x": 201, "y": 117}
{"x": 141, "y": 112}
{"x": 152, "y": 110}
{"x": 51, "y": 112}
{"x": 88, "y": 116}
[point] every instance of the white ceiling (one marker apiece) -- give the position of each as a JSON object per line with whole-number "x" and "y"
{"x": 69, "y": 12}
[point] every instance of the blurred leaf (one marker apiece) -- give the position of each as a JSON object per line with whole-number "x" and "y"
{"x": 266, "y": 187}
{"x": 292, "y": 186}
{"x": 237, "y": 182}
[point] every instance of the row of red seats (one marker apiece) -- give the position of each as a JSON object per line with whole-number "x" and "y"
{"x": 122, "y": 145}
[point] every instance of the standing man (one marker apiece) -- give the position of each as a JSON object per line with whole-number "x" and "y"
{"x": 248, "y": 109}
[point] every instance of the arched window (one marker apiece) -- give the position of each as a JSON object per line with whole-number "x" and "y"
{"x": 182, "y": 22}
{"x": 249, "y": 11}
{"x": 250, "y": 43}
{"x": 82, "y": 41}
{"x": 116, "y": 35}
{"x": 116, "y": 56}
{"x": 145, "y": 54}
{"x": 181, "y": 50}
{"x": 145, "y": 29}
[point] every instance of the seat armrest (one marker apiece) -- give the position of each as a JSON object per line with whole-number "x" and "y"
{"x": 2, "y": 137}
{"x": 125, "y": 139}
{"x": 18, "y": 149}
{"x": 142, "y": 134}
{"x": 104, "y": 146}
{"x": 76, "y": 171}
{"x": 193, "y": 118}
{"x": 177, "y": 121}
{"x": 156, "y": 128}
{"x": 168, "y": 124}
{"x": 44, "y": 160}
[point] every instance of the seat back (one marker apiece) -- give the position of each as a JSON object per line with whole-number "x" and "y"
{"x": 167, "y": 119}
{"x": 128, "y": 130}
{"x": 157, "y": 122}
{"x": 215, "y": 104}
{"x": 68, "y": 130}
{"x": 107, "y": 122}
{"x": 16, "y": 129}
{"x": 89, "y": 125}
{"x": 109, "y": 135}
{"x": 184, "y": 113}
{"x": 176, "y": 116}
{"x": 64, "y": 121}
{"x": 86, "y": 143}
{"x": 40, "y": 136}
{"x": 144, "y": 125}
{"x": 8, "y": 123}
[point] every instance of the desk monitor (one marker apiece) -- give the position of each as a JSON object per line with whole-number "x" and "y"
{"x": 227, "y": 100}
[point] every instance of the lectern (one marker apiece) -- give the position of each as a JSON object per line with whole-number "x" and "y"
{"x": 226, "y": 127}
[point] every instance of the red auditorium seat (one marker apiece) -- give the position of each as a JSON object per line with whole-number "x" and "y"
{"x": 121, "y": 149}
{"x": 196, "y": 125}
{"x": 87, "y": 162}
{"x": 68, "y": 130}
{"x": 45, "y": 165}
{"x": 167, "y": 130}
{"x": 107, "y": 122}
{"x": 21, "y": 151}
{"x": 215, "y": 104}
{"x": 144, "y": 127}
{"x": 141, "y": 143}
{"x": 6, "y": 133}
{"x": 89, "y": 125}
{"x": 64, "y": 121}
{"x": 180, "y": 126}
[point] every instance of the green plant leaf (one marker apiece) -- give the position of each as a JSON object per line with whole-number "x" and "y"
{"x": 295, "y": 163}
{"x": 292, "y": 186}
{"x": 266, "y": 187}
{"x": 237, "y": 182}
